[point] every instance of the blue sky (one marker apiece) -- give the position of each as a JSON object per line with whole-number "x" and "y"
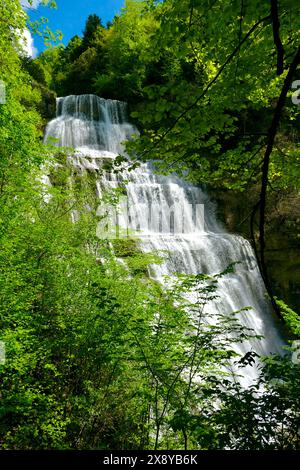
{"x": 71, "y": 15}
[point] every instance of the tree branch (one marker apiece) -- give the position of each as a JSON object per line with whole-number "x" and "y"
{"x": 209, "y": 85}
{"x": 265, "y": 169}
{"x": 276, "y": 36}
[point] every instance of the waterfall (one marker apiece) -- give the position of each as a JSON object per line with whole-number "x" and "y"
{"x": 169, "y": 214}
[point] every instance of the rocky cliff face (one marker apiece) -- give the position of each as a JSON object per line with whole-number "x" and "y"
{"x": 282, "y": 235}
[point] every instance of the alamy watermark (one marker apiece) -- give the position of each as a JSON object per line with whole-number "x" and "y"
{"x": 296, "y": 352}
{"x": 2, "y": 353}
{"x": 126, "y": 220}
{"x": 2, "y": 92}
{"x": 296, "y": 94}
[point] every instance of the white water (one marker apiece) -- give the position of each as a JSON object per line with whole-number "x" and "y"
{"x": 96, "y": 129}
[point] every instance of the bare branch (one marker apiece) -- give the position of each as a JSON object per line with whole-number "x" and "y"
{"x": 276, "y": 36}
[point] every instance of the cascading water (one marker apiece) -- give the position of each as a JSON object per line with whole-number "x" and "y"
{"x": 168, "y": 214}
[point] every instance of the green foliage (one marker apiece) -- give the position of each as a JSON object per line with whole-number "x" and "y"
{"x": 36, "y": 70}
{"x": 292, "y": 318}
{"x": 203, "y": 104}
{"x": 19, "y": 119}
{"x": 209, "y": 109}
{"x": 262, "y": 421}
{"x": 110, "y": 61}
{"x": 99, "y": 356}
{"x": 40, "y": 27}
{"x": 92, "y": 26}
{"x": 127, "y": 51}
